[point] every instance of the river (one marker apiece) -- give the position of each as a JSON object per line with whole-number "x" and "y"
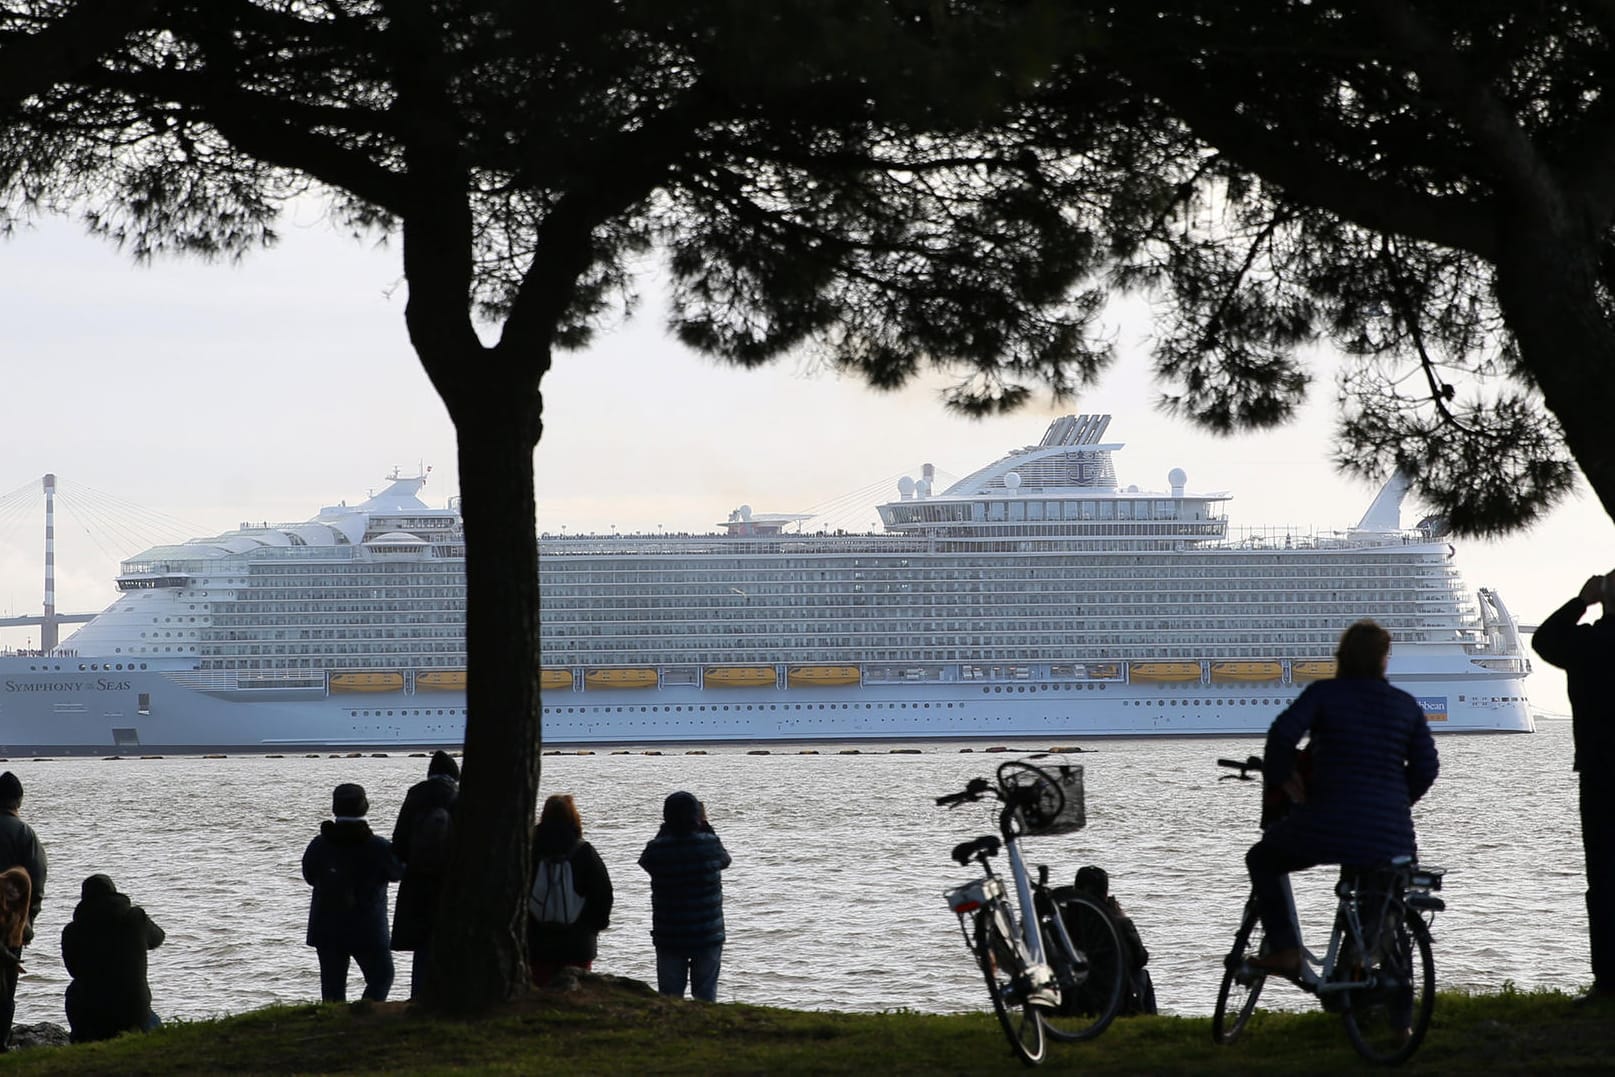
{"x": 840, "y": 860}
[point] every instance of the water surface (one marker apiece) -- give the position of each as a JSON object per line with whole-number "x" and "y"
{"x": 835, "y": 897}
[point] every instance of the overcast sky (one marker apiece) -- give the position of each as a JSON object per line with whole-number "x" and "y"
{"x": 208, "y": 395}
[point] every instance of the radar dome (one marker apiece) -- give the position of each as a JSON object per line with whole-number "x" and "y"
{"x": 1176, "y": 478}
{"x": 1013, "y": 480}
{"x": 905, "y": 486}
{"x": 745, "y": 512}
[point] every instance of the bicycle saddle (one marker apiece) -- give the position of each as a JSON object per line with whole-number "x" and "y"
{"x": 966, "y": 851}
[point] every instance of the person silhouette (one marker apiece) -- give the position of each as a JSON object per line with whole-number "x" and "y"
{"x": 1586, "y": 652}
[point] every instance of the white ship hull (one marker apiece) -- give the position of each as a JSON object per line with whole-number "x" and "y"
{"x": 52, "y": 713}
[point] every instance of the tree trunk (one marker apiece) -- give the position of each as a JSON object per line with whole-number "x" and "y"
{"x": 476, "y": 958}
{"x": 1547, "y": 288}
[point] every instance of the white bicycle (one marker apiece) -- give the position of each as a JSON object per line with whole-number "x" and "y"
{"x": 1053, "y": 960}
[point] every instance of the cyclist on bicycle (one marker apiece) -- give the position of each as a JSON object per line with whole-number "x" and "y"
{"x": 1372, "y": 758}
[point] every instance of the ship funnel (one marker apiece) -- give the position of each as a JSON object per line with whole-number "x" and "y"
{"x": 1385, "y": 514}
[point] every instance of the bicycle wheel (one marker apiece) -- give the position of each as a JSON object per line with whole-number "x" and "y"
{"x": 1387, "y": 1018}
{"x": 1241, "y": 984}
{"x": 1092, "y": 974}
{"x": 1019, "y": 1019}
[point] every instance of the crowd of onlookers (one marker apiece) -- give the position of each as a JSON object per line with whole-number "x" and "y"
{"x": 350, "y": 868}
{"x": 569, "y": 900}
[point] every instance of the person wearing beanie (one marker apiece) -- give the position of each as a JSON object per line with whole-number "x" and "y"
{"x": 20, "y": 849}
{"x": 104, "y": 951}
{"x": 349, "y": 869}
{"x": 685, "y": 861}
{"x": 422, "y": 839}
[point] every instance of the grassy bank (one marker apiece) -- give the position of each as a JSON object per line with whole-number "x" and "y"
{"x": 619, "y": 1027}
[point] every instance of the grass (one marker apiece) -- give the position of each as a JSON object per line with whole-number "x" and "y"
{"x": 612, "y": 1026}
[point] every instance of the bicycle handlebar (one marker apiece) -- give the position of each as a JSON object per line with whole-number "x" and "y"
{"x": 972, "y": 791}
{"x": 1251, "y": 763}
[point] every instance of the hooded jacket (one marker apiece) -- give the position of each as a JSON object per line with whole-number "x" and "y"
{"x": 418, "y": 892}
{"x": 104, "y": 951}
{"x": 349, "y": 869}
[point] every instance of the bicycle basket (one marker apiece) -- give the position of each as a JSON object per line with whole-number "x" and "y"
{"x": 1073, "y": 813}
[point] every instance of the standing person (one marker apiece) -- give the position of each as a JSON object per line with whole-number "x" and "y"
{"x": 569, "y": 902}
{"x": 422, "y": 839}
{"x": 349, "y": 869}
{"x": 19, "y": 848}
{"x": 1372, "y": 758}
{"x": 104, "y": 950}
{"x": 684, "y": 862}
{"x": 1586, "y": 653}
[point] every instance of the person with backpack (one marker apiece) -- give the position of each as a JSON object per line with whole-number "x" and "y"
{"x": 569, "y": 902}
{"x": 349, "y": 869}
{"x": 1093, "y": 883}
{"x": 422, "y": 840}
{"x": 684, "y": 862}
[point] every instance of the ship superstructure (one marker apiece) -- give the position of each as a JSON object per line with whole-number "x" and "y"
{"x": 1037, "y": 597}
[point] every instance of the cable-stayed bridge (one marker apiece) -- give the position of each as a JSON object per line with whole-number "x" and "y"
{"x": 100, "y": 515}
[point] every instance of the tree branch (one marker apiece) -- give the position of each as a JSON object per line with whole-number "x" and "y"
{"x": 1520, "y": 169}
{"x": 1311, "y": 179}
{"x": 31, "y": 63}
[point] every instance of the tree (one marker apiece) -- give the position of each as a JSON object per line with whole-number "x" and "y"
{"x": 813, "y": 172}
{"x": 1426, "y": 185}
{"x": 898, "y": 183}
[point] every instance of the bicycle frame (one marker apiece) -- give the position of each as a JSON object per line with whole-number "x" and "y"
{"x": 988, "y": 894}
{"x": 1054, "y": 962}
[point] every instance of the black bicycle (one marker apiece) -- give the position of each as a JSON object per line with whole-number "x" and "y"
{"x": 1378, "y": 972}
{"x": 1053, "y": 960}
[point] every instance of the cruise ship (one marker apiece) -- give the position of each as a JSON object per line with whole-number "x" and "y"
{"x": 1037, "y": 598}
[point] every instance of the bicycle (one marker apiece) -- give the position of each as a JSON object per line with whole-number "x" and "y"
{"x": 1377, "y": 973}
{"x": 1053, "y": 960}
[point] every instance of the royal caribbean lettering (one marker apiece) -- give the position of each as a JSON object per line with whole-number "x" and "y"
{"x": 1434, "y": 707}
{"x": 100, "y": 684}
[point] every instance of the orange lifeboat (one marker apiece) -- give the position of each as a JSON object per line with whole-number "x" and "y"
{"x": 739, "y": 676}
{"x": 440, "y": 680}
{"x": 1301, "y": 672}
{"x": 367, "y": 682}
{"x": 619, "y": 678}
{"x": 816, "y": 676}
{"x": 1163, "y": 671}
{"x": 1245, "y": 672}
{"x": 555, "y": 678}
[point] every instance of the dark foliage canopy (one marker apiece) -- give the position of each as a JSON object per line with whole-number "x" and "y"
{"x": 1425, "y": 185}
{"x": 899, "y": 184}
